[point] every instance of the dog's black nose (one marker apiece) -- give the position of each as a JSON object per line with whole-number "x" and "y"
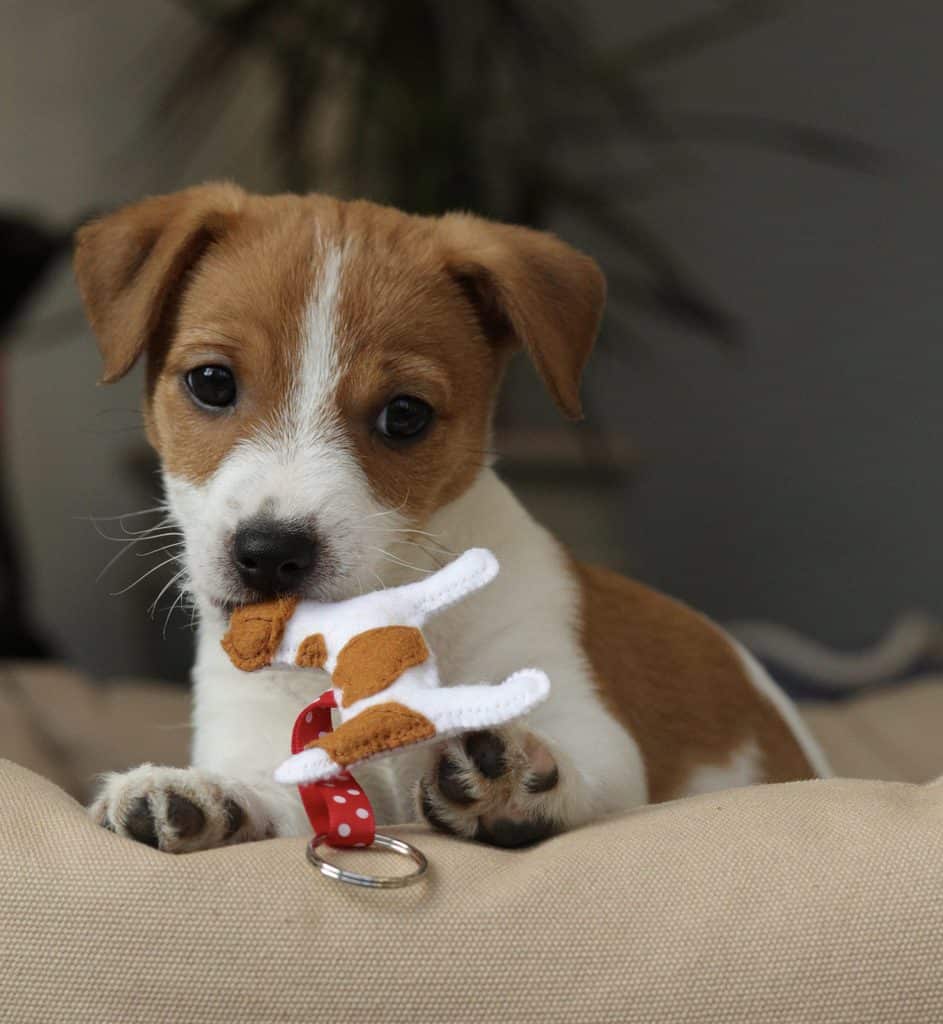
{"x": 272, "y": 559}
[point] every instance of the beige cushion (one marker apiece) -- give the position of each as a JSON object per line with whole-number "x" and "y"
{"x": 891, "y": 734}
{"x": 811, "y": 902}
{"x": 67, "y": 727}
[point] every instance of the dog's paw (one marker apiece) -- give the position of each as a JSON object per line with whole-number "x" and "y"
{"x": 178, "y": 809}
{"x": 499, "y": 786}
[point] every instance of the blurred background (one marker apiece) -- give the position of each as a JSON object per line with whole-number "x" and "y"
{"x": 759, "y": 180}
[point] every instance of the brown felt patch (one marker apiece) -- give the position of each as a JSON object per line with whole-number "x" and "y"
{"x": 676, "y": 683}
{"x": 374, "y": 659}
{"x": 380, "y": 728}
{"x": 312, "y": 653}
{"x": 255, "y": 632}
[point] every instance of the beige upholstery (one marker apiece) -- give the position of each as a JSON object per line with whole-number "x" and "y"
{"x": 891, "y": 734}
{"x": 68, "y": 728}
{"x": 810, "y": 902}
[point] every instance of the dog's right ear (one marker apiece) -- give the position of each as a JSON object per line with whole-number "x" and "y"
{"x": 131, "y": 265}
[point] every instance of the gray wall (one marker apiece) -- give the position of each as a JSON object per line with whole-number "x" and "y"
{"x": 800, "y": 480}
{"x": 796, "y": 480}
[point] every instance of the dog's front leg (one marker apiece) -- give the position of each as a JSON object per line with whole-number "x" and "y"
{"x": 562, "y": 766}
{"x": 180, "y": 810}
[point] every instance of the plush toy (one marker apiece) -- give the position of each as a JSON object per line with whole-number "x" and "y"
{"x": 385, "y": 683}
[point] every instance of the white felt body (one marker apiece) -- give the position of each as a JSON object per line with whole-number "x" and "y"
{"x": 452, "y": 709}
{"x": 408, "y": 605}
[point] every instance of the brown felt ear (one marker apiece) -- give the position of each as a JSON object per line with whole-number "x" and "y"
{"x": 131, "y": 264}
{"x": 531, "y": 289}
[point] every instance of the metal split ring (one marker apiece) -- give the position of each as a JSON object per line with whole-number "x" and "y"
{"x": 371, "y": 881}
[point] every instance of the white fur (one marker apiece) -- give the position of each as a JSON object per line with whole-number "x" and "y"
{"x": 742, "y": 768}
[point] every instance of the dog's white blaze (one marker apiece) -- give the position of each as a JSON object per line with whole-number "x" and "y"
{"x": 308, "y": 411}
{"x": 299, "y": 466}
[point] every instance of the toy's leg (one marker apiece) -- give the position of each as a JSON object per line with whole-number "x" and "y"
{"x": 379, "y": 729}
{"x": 307, "y": 766}
{"x": 468, "y": 573}
{"x": 184, "y": 809}
{"x": 454, "y": 709}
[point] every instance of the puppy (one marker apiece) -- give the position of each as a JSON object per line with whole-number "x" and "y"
{"x": 320, "y": 381}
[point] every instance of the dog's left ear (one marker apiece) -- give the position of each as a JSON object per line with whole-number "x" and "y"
{"x": 530, "y": 289}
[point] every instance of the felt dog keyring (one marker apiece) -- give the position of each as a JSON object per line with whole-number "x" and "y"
{"x": 385, "y": 683}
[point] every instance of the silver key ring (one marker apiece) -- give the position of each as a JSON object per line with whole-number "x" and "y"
{"x": 371, "y": 881}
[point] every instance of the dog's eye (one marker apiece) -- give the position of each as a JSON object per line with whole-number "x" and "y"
{"x": 404, "y": 418}
{"x": 213, "y": 386}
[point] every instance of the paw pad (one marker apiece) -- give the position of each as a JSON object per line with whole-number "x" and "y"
{"x": 451, "y": 784}
{"x": 487, "y": 750}
{"x": 183, "y": 816}
{"x": 512, "y": 835}
{"x": 139, "y": 822}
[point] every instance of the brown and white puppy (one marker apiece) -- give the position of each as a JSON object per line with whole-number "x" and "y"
{"x": 320, "y": 383}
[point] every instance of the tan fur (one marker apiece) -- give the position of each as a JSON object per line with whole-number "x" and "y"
{"x": 373, "y": 660}
{"x": 531, "y": 289}
{"x": 675, "y": 682}
{"x": 431, "y": 307}
{"x": 255, "y": 631}
{"x": 242, "y": 307}
{"x": 380, "y": 728}
{"x": 312, "y": 653}
{"x": 129, "y": 267}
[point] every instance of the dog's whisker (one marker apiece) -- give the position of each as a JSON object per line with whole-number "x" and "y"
{"x": 163, "y": 524}
{"x": 174, "y": 603}
{"x": 177, "y": 600}
{"x": 380, "y": 533}
{"x": 406, "y": 542}
{"x": 150, "y": 534}
{"x": 441, "y": 549}
{"x": 437, "y": 561}
{"x": 144, "y": 576}
{"x": 413, "y": 529}
{"x": 125, "y": 515}
{"x": 129, "y": 544}
{"x": 400, "y": 561}
{"x": 114, "y": 558}
{"x": 408, "y": 530}
{"x": 387, "y": 512}
{"x": 409, "y": 537}
{"x": 157, "y": 551}
{"x": 163, "y": 590}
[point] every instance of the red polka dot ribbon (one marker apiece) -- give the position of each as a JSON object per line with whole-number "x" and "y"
{"x": 337, "y": 808}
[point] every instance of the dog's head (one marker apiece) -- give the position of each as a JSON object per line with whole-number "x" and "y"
{"x": 321, "y": 374}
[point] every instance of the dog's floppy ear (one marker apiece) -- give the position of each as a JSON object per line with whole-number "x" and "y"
{"x": 531, "y": 289}
{"x": 131, "y": 264}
